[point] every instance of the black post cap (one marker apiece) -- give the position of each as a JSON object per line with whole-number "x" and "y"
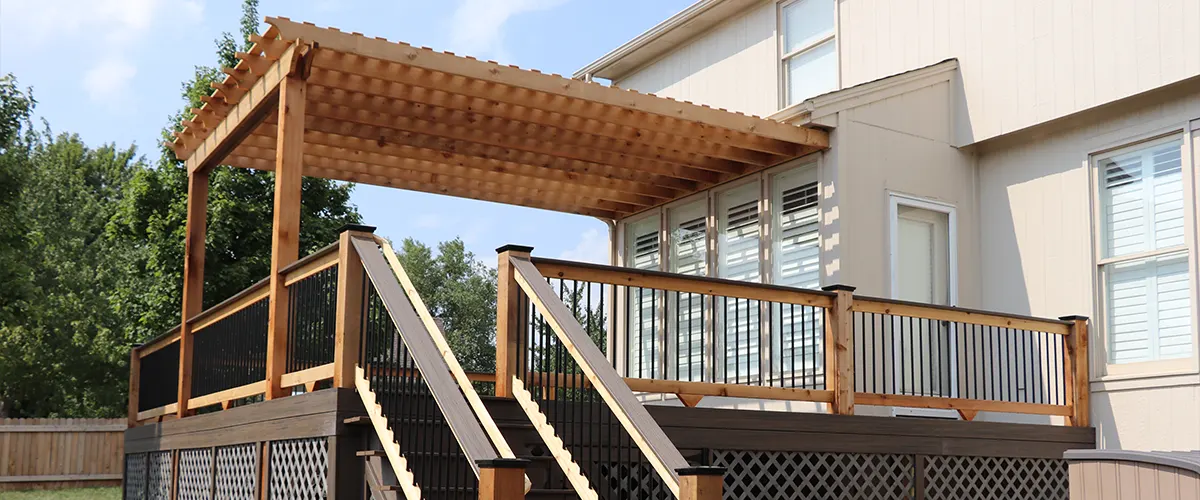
{"x": 1073, "y": 317}
{"x": 701, "y": 470}
{"x": 514, "y": 248}
{"x": 838, "y": 288}
{"x": 502, "y": 463}
{"x": 355, "y": 227}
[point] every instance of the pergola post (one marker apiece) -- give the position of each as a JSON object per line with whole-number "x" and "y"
{"x": 285, "y": 230}
{"x": 193, "y": 279}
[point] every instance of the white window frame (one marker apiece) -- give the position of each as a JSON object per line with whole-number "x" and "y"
{"x": 783, "y": 57}
{"x": 895, "y": 201}
{"x": 1103, "y": 369}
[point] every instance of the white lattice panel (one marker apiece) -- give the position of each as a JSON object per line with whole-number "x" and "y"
{"x": 298, "y": 468}
{"x": 995, "y": 478}
{"x": 237, "y": 472}
{"x": 755, "y": 475}
{"x": 195, "y": 474}
{"x": 135, "y": 476}
{"x": 159, "y": 476}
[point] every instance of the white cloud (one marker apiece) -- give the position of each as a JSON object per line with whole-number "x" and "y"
{"x": 477, "y": 27}
{"x": 592, "y": 247}
{"x": 108, "y": 79}
{"x": 104, "y": 30}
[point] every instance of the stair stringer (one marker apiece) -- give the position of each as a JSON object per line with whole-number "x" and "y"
{"x": 408, "y": 484}
{"x": 553, "y": 443}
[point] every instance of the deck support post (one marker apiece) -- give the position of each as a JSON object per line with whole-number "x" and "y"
{"x": 1076, "y": 379}
{"x": 502, "y": 478}
{"x": 193, "y": 280}
{"x": 839, "y": 350}
{"x": 349, "y": 305}
{"x": 135, "y": 382}
{"x": 508, "y": 317}
{"x": 285, "y": 230}
{"x": 701, "y": 483}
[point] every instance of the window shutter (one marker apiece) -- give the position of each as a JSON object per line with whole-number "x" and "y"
{"x": 797, "y": 254}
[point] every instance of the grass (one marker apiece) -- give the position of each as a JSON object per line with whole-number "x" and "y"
{"x": 73, "y": 494}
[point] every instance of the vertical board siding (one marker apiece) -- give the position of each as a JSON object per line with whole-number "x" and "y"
{"x": 733, "y": 66}
{"x": 68, "y": 452}
{"x": 1112, "y": 480}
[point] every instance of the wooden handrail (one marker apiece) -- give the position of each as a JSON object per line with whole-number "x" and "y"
{"x": 425, "y": 354}
{"x": 623, "y": 276}
{"x": 644, "y": 431}
{"x": 439, "y": 339}
{"x": 959, "y": 315}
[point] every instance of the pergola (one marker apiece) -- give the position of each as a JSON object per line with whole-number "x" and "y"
{"x": 311, "y": 101}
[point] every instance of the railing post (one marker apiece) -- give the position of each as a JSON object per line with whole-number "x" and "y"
{"x": 508, "y": 317}
{"x": 839, "y": 350}
{"x": 135, "y": 380}
{"x": 701, "y": 483}
{"x": 349, "y": 305}
{"x": 1077, "y": 377}
{"x": 502, "y": 478}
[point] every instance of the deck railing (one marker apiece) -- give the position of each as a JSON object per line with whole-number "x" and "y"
{"x": 697, "y": 336}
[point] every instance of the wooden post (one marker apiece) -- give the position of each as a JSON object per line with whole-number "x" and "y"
{"x": 701, "y": 483}
{"x": 285, "y": 231}
{"x": 1077, "y": 379}
{"x": 839, "y": 350}
{"x": 508, "y": 318}
{"x": 193, "y": 280}
{"x": 502, "y": 478}
{"x": 349, "y": 306}
{"x": 135, "y": 380}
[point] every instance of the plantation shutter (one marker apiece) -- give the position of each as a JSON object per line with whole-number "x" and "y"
{"x": 688, "y": 235}
{"x": 738, "y": 259}
{"x": 1148, "y": 303}
{"x": 641, "y": 252}
{"x": 796, "y": 258}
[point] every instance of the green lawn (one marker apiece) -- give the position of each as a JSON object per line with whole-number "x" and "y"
{"x": 75, "y": 494}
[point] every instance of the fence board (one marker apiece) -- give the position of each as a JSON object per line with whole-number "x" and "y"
{"x": 53, "y": 452}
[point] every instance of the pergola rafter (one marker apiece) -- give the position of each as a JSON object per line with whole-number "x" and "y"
{"x": 391, "y": 114}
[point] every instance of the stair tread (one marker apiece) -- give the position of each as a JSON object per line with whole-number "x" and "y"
{"x": 359, "y": 420}
{"x": 371, "y": 453}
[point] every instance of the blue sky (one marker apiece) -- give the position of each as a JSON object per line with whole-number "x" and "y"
{"x": 111, "y": 70}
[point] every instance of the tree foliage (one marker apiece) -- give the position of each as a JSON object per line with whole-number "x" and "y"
{"x": 91, "y": 249}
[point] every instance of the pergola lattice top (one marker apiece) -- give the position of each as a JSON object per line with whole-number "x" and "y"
{"x": 385, "y": 113}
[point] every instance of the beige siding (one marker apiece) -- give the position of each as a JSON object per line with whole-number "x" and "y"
{"x": 1025, "y": 61}
{"x": 733, "y": 66}
{"x": 1037, "y": 255}
{"x": 1113, "y": 480}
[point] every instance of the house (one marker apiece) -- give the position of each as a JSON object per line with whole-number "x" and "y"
{"x": 330, "y": 377}
{"x": 1034, "y": 158}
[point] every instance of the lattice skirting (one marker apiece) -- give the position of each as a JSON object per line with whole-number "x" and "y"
{"x": 195, "y": 474}
{"x": 855, "y": 476}
{"x": 995, "y": 478}
{"x": 159, "y": 476}
{"x": 833, "y": 476}
{"x": 298, "y": 469}
{"x": 237, "y": 472}
{"x": 135, "y": 476}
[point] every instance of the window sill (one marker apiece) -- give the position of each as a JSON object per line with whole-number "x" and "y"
{"x": 1149, "y": 379}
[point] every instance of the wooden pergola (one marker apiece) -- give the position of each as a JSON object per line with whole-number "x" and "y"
{"x": 311, "y": 101}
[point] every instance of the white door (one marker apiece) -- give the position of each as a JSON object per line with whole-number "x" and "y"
{"x": 923, "y": 270}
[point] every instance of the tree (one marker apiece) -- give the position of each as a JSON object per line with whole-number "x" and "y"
{"x": 16, "y": 106}
{"x": 460, "y": 292}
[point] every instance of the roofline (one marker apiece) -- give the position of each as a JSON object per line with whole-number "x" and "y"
{"x": 637, "y": 43}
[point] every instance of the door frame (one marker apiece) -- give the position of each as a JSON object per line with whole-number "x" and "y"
{"x": 895, "y": 201}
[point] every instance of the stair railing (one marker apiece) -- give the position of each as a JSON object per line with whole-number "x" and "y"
{"x": 401, "y": 370}
{"x": 456, "y": 370}
{"x": 567, "y": 347}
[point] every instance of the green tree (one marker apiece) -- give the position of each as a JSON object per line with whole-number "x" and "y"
{"x": 460, "y": 292}
{"x": 16, "y": 105}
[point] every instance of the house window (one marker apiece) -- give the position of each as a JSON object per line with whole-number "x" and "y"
{"x": 687, "y": 233}
{"x": 642, "y": 252}
{"x": 809, "y": 49}
{"x": 738, "y": 249}
{"x": 1144, "y": 255}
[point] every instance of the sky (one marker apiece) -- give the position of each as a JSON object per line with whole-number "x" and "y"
{"x": 111, "y": 71}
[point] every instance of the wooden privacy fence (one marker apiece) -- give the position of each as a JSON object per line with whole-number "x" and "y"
{"x": 46, "y": 453}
